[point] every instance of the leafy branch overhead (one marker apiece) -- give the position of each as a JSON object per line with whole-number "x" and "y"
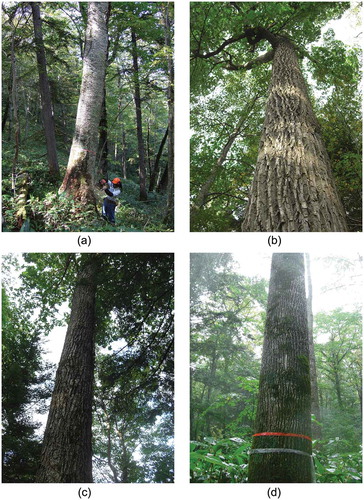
{"x": 232, "y": 47}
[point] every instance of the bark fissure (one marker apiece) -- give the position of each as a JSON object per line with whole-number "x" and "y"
{"x": 284, "y": 403}
{"x": 293, "y": 187}
{"x": 67, "y": 448}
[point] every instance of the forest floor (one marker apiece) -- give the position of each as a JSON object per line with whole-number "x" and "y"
{"x": 46, "y": 210}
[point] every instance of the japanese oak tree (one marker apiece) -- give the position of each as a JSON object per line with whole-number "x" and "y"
{"x": 293, "y": 188}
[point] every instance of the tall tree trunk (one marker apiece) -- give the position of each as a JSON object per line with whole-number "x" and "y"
{"x": 67, "y": 448}
{"x": 103, "y": 148}
{"x": 284, "y": 404}
{"x": 293, "y": 187}
{"x": 143, "y": 195}
{"x": 123, "y": 151}
{"x": 315, "y": 404}
{"x": 14, "y": 98}
{"x": 47, "y": 112}
{"x": 337, "y": 383}
{"x": 6, "y": 109}
{"x": 79, "y": 178}
{"x": 169, "y": 217}
{"x": 155, "y": 171}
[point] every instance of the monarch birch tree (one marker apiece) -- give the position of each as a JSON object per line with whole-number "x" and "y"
{"x": 79, "y": 177}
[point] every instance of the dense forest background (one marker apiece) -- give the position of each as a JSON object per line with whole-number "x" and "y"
{"x": 228, "y": 312}
{"x": 135, "y": 131}
{"x": 229, "y": 87}
{"x": 133, "y": 395}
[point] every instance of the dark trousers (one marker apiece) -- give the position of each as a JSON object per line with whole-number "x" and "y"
{"x": 108, "y": 209}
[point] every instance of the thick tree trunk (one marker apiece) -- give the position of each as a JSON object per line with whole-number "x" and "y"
{"x": 284, "y": 404}
{"x": 143, "y": 195}
{"x": 67, "y": 449}
{"x": 47, "y": 112}
{"x": 79, "y": 178}
{"x": 293, "y": 187}
{"x": 103, "y": 149}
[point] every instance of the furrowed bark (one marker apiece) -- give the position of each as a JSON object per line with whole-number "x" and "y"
{"x": 67, "y": 447}
{"x": 293, "y": 187}
{"x": 284, "y": 404}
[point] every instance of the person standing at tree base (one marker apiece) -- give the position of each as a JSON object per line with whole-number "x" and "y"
{"x": 112, "y": 189}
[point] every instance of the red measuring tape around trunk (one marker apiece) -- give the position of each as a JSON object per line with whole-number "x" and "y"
{"x": 290, "y": 434}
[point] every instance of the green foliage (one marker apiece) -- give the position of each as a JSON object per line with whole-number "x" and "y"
{"x": 227, "y": 324}
{"x": 219, "y": 98}
{"x": 134, "y": 388}
{"x": 334, "y": 466}
{"x": 219, "y": 461}
{"x": 25, "y": 387}
{"x": 222, "y": 357}
{"x": 64, "y": 32}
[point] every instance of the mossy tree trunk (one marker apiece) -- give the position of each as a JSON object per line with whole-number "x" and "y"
{"x": 284, "y": 404}
{"x": 67, "y": 448}
{"x": 79, "y": 177}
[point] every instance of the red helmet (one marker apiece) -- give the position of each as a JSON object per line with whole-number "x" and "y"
{"x": 116, "y": 180}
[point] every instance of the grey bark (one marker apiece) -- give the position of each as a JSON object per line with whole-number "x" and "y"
{"x": 67, "y": 447}
{"x": 284, "y": 403}
{"x": 103, "y": 148}
{"x": 79, "y": 178}
{"x": 47, "y": 111}
{"x": 293, "y": 187}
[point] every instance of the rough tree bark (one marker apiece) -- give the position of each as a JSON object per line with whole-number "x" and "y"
{"x": 284, "y": 404}
{"x": 47, "y": 111}
{"x": 67, "y": 448}
{"x": 293, "y": 187}
{"x": 79, "y": 178}
{"x": 143, "y": 195}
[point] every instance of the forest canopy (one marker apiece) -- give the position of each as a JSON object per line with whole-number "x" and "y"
{"x": 77, "y": 110}
{"x": 130, "y": 369}
{"x": 233, "y": 106}
{"x": 228, "y": 313}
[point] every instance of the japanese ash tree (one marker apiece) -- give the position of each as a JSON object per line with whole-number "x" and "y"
{"x": 282, "y": 447}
